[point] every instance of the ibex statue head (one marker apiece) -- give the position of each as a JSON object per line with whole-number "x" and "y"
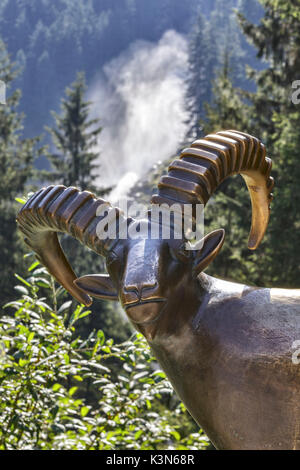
{"x": 218, "y": 342}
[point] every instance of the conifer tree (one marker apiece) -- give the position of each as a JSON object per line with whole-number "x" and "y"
{"x": 16, "y": 159}
{"x": 75, "y": 137}
{"x": 229, "y": 108}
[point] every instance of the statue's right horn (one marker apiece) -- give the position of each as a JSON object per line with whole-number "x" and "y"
{"x": 60, "y": 209}
{"x": 207, "y": 162}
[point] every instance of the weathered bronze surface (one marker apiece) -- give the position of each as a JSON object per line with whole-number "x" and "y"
{"x": 226, "y": 348}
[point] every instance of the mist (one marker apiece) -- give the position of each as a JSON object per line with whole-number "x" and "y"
{"x": 139, "y": 98}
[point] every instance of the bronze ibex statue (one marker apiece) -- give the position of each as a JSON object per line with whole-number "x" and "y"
{"x": 227, "y": 348}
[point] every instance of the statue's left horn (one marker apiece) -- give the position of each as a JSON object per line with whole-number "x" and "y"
{"x": 60, "y": 209}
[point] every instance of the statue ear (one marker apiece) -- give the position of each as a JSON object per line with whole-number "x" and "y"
{"x": 211, "y": 245}
{"x": 97, "y": 285}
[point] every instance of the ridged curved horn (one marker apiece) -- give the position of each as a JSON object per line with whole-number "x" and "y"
{"x": 207, "y": 162}
{"x": 60, "y": 209}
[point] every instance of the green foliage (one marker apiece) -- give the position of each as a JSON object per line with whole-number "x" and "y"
{"x": 228, "y": 109}
{"x": 46, "y": 370}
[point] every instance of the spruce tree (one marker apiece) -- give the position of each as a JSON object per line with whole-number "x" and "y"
{"x": 229, "y": 108}
{"x": 16, "y": 158}
{"x": 75, "y": 137}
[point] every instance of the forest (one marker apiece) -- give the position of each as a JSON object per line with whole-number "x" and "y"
{"x": 96, "y": 90}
